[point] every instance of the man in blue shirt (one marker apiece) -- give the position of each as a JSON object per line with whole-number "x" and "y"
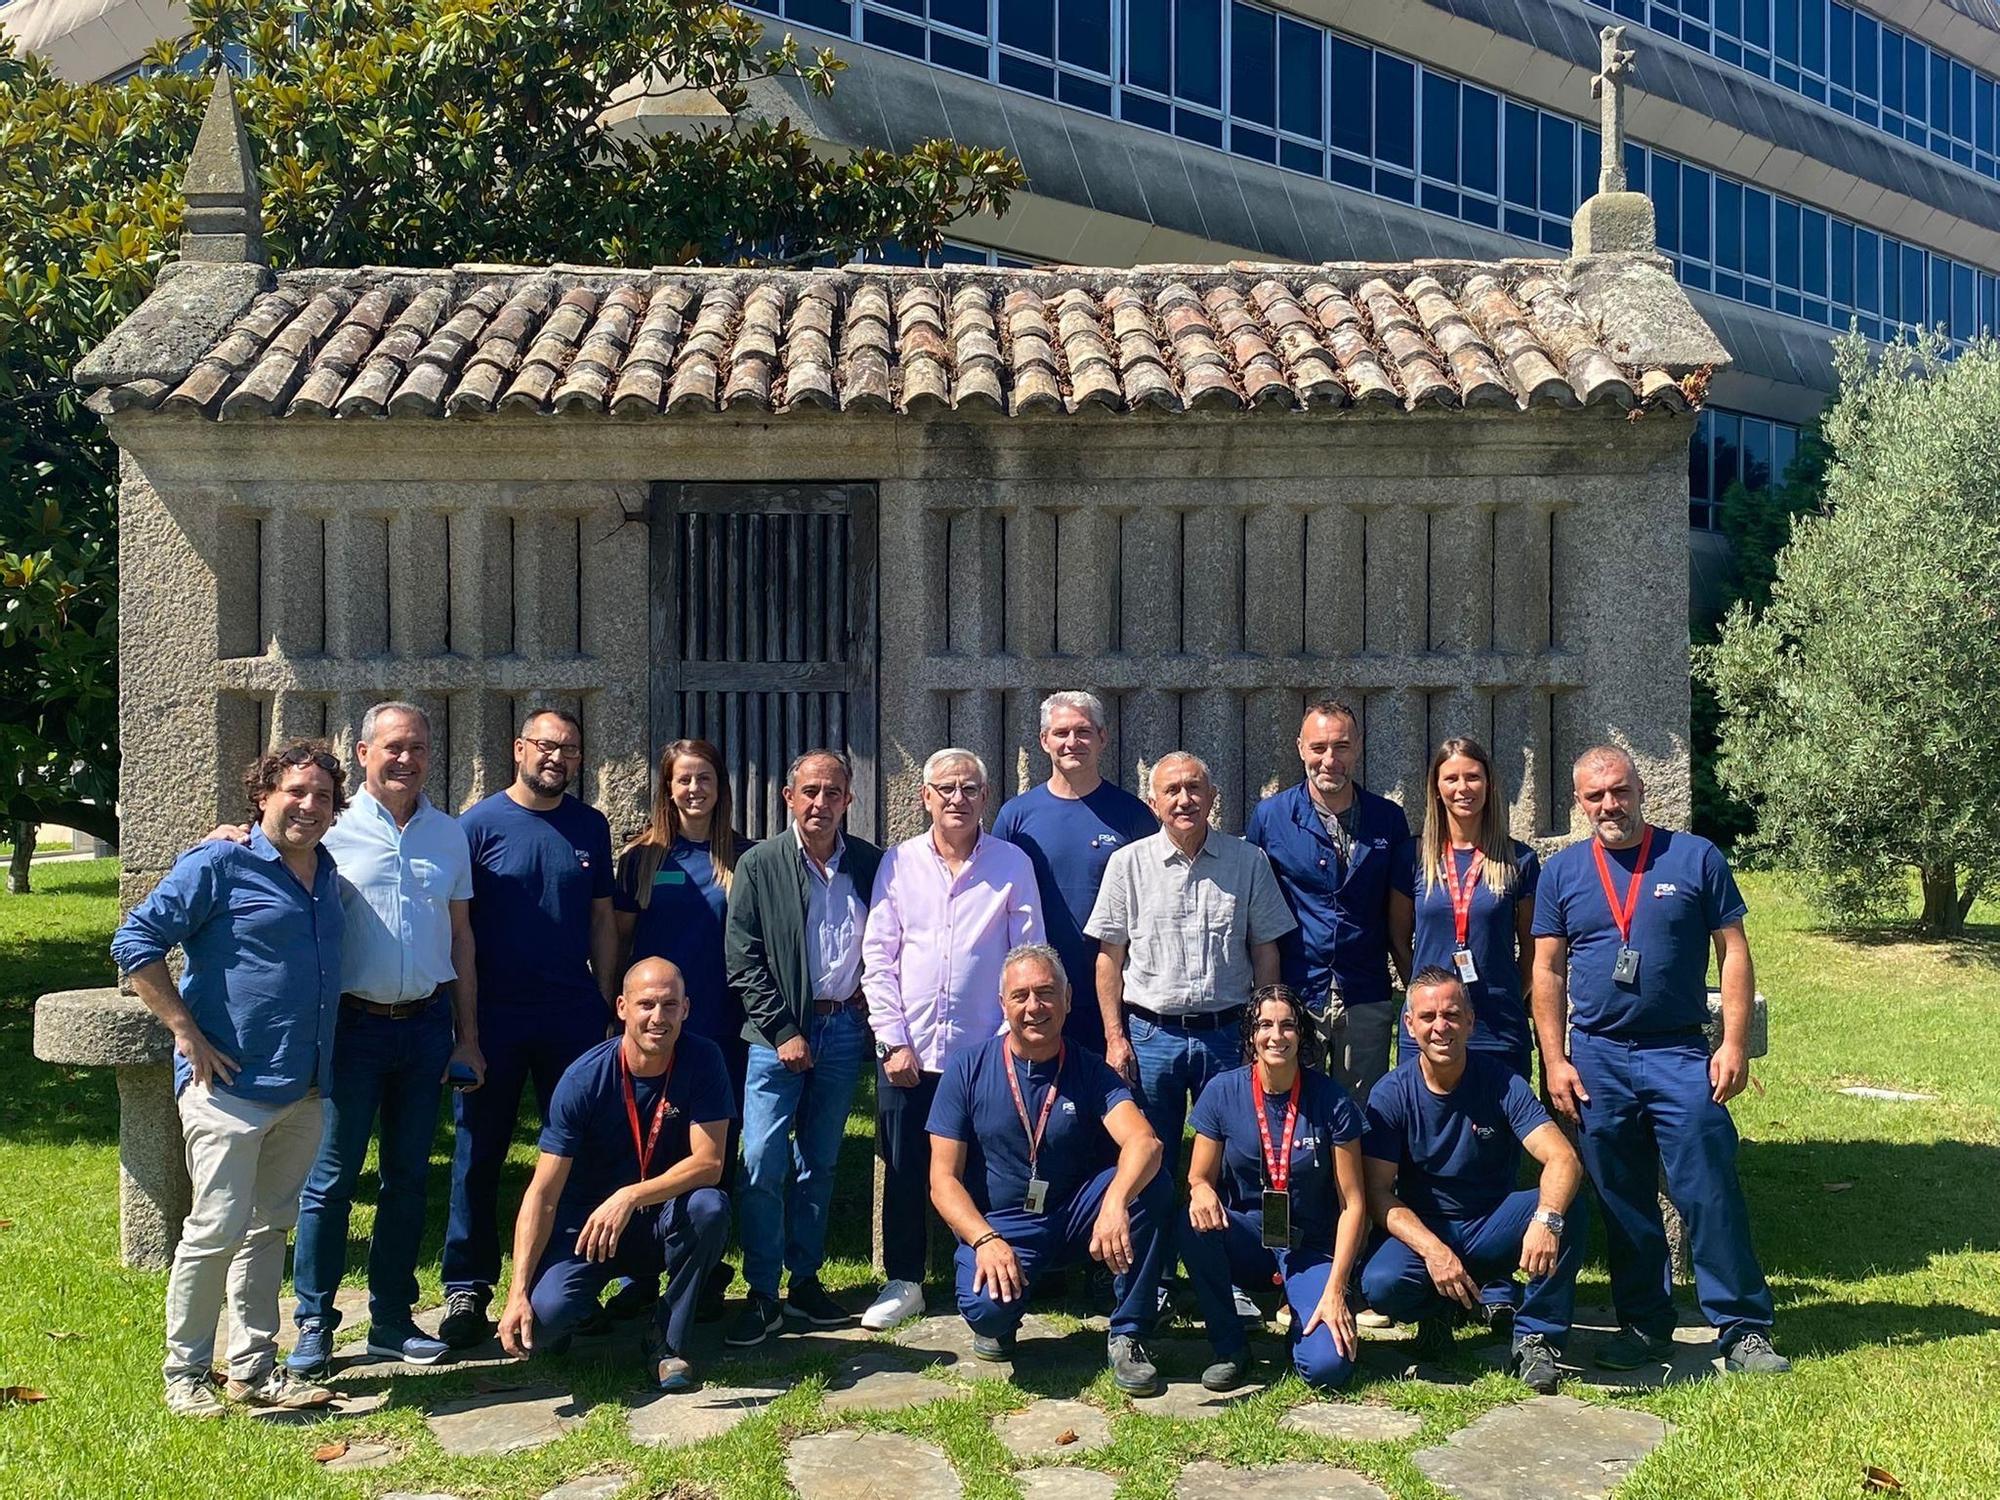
{"x": 260, "y": 926}
{"x": 547, "y": 940}
{"x": 626, "y": 1181}
{"x": 1624, "y": 922}
{"x": 1339, "y": 853}
{"x": 1039, "y": 1157}
{"x": 1069, "y": 827}
{"x": 1441, "y": 1151}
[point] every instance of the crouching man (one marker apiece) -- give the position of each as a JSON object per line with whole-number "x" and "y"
{"x": 625, "y": 1184}
{"x": 1039, "y": 1156}
{"x": 1443, "y": 1143}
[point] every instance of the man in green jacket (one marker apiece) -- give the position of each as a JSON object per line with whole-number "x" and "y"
{"x": 797, "y": 906}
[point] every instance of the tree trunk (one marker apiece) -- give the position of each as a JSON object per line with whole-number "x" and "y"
{"x": 25, "y": 835}
{"x": 1942, "y": 917}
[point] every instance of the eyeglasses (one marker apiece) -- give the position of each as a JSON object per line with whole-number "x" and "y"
{"x": 563, "y": 748}
{"x": 952, "y": 791}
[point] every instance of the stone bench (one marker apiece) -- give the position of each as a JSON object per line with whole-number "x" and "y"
{"x": 106, "y": 1029}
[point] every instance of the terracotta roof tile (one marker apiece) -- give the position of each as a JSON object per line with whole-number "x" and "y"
{"x": 478, "y": 340}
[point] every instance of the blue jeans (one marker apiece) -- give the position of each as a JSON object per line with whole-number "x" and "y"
{"x": 1397, "y": 1284}
{"x": 395, "y": 1069}
{"x": 793, "y": 1124}
{"x": 1651, "y": 1105}
{"x": 1174, "y": 1067}
{"x": 1219, "y": 1259}
{"x": 1061, "y": 1237}
{"x": 683, "y": 1237}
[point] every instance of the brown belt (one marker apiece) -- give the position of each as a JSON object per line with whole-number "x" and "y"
{"x": 400, "y": 1012}
{"x": 828, "y": 1007}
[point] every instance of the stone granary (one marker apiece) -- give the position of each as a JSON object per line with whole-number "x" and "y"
{"x": 890, "y": 509}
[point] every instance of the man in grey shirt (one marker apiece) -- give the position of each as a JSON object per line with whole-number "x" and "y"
{"x": 1187, "y": 923}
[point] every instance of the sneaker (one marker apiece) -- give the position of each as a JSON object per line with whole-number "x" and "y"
{"x": 1369, "y": 1318}
{"x": 312, "y": 1356}
{"x": 1226, "y": 1374}
{"x": 407, "y": 1344}
{"x": 1534, "y": 1364}
{"x": 464, "y": 1323}
{"x": 807, "y": 1299}
{"x": 1434, "y": 1338}
{"x": 894, "y": 1303}
{"x": 1497, "y": 1318}
{"x": 1247, "y": 1311}
{"x": 761, "y": 1317}
{"x": 633, "y": 1300}
{"x": 993, "y": 1350}
{"x": 672, "y": 1373}
{"x": 195, "y": 1398}
{"x": 280, "y": 1389}
{"x": 1630, "y": 1348}
{"x": 1131, "y": 1367}
{"x": 1752, "y": 1354}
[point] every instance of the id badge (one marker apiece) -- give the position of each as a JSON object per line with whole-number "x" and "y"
{"x": 1468, "y": 971}
{"x": 1277, "y": 1220}
{"x": 1037, "y": 1200}
{"x": 1626, "y": 970}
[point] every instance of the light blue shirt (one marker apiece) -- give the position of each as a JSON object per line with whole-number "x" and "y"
{"x": 396, "y": 889}
{"x": 835, "y": 917}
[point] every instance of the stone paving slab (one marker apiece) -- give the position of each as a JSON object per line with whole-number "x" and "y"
{"x": 502, "y": 1422}
{"x": 681, "y": 1417}
{"x": 869, "y": 1466}
{"x": 884, "y": 1379}
{"x": 344, "y": 1404}
{"x": 1190, "y": 1400}
{"x": 1039, "y": 1430}
{"x": 1551, "y": 1447}
{"x": 591, "y": 1486}
{"x": 1696, "y": 1355}
{"x": 1352, "y": 1422}
{"x": 1067, "y": 1484}
{"x": 364, "y": 1455}
{"x": 1209, "y": 1480}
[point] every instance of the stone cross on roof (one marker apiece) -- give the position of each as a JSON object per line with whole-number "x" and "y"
{"x": 1609, "y": 88}
{"x": 224, "y": 222}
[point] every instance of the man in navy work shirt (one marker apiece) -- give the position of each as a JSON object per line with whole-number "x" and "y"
{"x": 1442, "y": 1148}
{"x": 1039, "y": 1157}
{"x": 625, "y": 1183}
{"x": 1338, "y": 852}
{"x": 260, "y": 925}
{"x": 542, "y": 882}
{"x": 1626, "y": 919}
{"x": 1069, "y": 827}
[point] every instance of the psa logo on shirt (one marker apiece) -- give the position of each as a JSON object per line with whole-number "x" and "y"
{"x": 1105, "y": 841}
{"x": 1484, "y": 1132}
{"x": 1665, "y": 888}
{"x": 582, "y": 858}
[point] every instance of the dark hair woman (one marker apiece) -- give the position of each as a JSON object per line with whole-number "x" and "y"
{"x": 1275, "y": 1189}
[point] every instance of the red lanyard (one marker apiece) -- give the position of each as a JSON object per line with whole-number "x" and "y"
{"x": 1021, "y": 1105}
{"x": 644, "y": 1152}
{"x": 1461, "y": 899}
{"x": 1277, "y": 1169}
{"x": 1622, "y": 916}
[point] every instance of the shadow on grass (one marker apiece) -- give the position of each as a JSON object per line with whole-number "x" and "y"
{"x": 1977, "y": 947}
{"x": 1903, "y": 1204}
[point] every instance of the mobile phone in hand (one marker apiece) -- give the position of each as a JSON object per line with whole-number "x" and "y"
{"x": 461, "y": 1076}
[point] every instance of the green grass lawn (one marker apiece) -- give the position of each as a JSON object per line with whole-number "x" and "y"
{"x": 1879, "y": 1224}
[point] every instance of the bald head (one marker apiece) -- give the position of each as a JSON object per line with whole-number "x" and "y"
{"x": 652, "y": 1006}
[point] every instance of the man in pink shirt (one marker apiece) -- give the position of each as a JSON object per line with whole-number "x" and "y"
{"x": 948, "y": 905}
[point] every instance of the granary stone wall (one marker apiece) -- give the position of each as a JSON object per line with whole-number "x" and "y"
{"x": 1517, "y": 577}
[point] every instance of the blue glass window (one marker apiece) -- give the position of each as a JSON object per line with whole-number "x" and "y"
{"x": 828, "y": 15}
{"x": 1843, "y": 263}
{"x": 1867, "y": 57}
{"x": 1786, "y": 269}
{"x": 1964, "y": 302}
{"x": 1299, "y": 80}
{"x": 1479, "y": 124}
{"x": 1840, "y": 47}
{"x": 897, "y": 36}
{"x": 1785, "y": 37}
{"x": 1440, "y": 135}
{"x": 966, "y": 15}
{"x": 1083, "y": 34}
{"x": 959, "y": 54}
{"x": 1030, "y": 78}
{"x": 1983, "y": 96}
{"x": 1892, "y": 68}
{"x": 1728, "y": 224}
{"x": 1695, "y": 239}
{"x": 1698, "y": 458}
{"x": 1812, "y": 37}
{"x": 1913, "y": 284}
{"x": 1812, "y": 252}
{"x": 1253, "y": 64}
{"x": 1725, "y": 442}
{"x": 1353, "y": 103}
{"x": 1867, "y": 270}
{"x": 1192, "y": 126}
{"x": 1029, "y": 25}
{"x": 1757, "y": 233}
{"x": 1938, "y": 311}
{"x": 1395, "y": 111}
{"x": 1756, "y": 454}
{"x": 1198, "y": 52}
{"x": 1520, "y": 155}
{"x": 1149, "y": 44}
{"x": 1667, "y": 203}
{"x": 1784, "y": 448}
{"x": 1961, "y": 101}
{"x": 1757, "y": 24}
{"x": 1558, "y": 166}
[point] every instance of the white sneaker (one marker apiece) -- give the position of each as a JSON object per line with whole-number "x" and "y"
{"x": 1369, "y": 1318}
{"x": 193, "y": 1397}
{"x": 894, "y": 1303}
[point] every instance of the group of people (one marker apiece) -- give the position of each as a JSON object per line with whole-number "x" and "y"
{"x": 1047, "y": 1007}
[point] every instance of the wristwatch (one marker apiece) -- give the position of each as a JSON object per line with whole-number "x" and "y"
{"x": 1550, "y": 1220}
{"x": 883, "y": 1051}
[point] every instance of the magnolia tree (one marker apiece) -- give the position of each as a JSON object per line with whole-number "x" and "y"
{"x": 1861, "y": 705}
{"x": 392, "y": 132}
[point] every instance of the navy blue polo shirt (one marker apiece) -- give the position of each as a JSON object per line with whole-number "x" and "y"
{"x": 1456, "y": 1154}
{"x": 682, "y": 922}
{"x": 1069, "y": 840}
{"x": 974, "y": 1105}
{"x": 1226, "y": 1112}
{"x": 1497, "y": 1003}
{"x": 534, "y": 876}
{"x": 1686, "y": 894}
{"x": 588, "y": 1124}
{"x": 1342, "y": 908}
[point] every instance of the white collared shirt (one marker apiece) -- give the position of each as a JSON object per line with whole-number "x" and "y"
{"x": 396, "y": 889}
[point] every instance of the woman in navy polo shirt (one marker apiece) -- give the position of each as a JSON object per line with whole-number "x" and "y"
{"x": 1474, "y": 893}
{"x": 1275, "y": 1194}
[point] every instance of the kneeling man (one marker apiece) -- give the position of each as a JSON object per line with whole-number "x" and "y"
{"x": 625, "y": 1185}
{"x": 1442, "y": 1147}
{"x": 1039, "y": 1156}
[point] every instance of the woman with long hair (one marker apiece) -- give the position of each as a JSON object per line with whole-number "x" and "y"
{"x": 1275, "y": 1189}
{"x": 1474, "y": 894}
{"x": 671, "y": 897}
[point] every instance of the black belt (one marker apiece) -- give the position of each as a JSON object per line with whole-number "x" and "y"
{"x": 1204, "y": 1020}
{"x": 402, "y": 1011}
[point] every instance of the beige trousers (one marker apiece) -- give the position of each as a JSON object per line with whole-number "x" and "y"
{"x": 248, "y": 1161}
{"x": 1358, "y": 1046}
